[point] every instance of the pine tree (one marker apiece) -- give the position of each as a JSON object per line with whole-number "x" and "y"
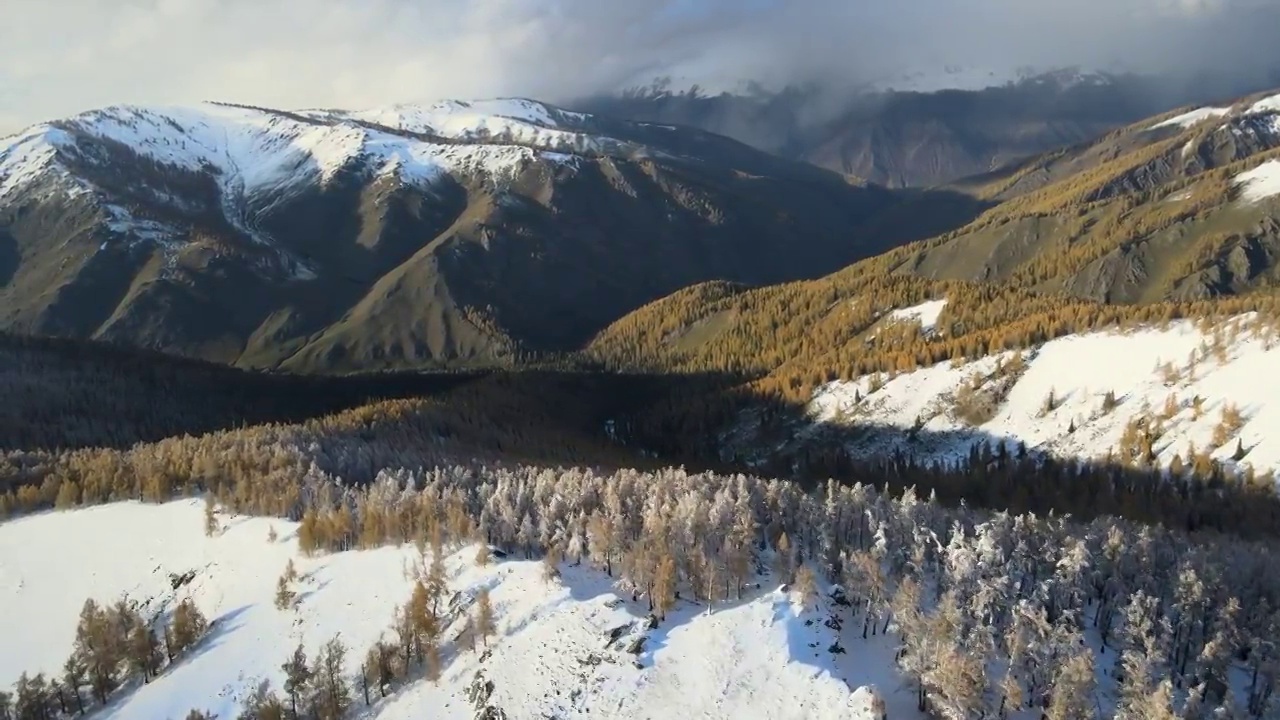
{"x": 6, "y": 706}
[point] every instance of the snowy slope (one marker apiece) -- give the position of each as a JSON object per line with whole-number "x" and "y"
{"x": 1079, "y": 371}
{"x": 925, "y": 313}
{"x": 761, "y": 657}
{"x": 1231, "y": 116}
{"x": 1193, "y": 117}
{"x": 254, "y": 149}
{"x": 1261, "y": 182}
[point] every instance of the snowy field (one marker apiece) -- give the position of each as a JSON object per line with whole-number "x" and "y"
{"x": 1150, "y": 372}
{"x": 762, "y": 657}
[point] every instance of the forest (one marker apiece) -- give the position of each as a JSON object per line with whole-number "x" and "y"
{"x": 992, "y": 612}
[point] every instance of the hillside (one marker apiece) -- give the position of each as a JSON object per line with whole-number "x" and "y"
{"x": 550, "y": 652}
{"x": 1174, "y": 396}
{"x": 923, "y": 129}
{"x": 863, "y": 367}
{"x": 334, "y": 240}
{"x": 1181, "y": 206}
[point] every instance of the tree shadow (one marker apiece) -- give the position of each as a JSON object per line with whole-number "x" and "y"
{"x": 771, "y": 437}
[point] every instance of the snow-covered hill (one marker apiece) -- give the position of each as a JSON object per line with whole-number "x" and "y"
{"x": 552, "y": 655}
{"x": 1184, "y": 389}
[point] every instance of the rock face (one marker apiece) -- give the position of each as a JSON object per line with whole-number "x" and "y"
{"x": 330, "y": 240}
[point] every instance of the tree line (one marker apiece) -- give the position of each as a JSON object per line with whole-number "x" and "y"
{"x": 992, "y": 612}
{"x": 114, "y": 645}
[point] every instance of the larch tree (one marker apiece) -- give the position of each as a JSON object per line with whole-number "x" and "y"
{"x": 664, "y": 586}
{"x": 806, "y": 586}
{"x": 484, "y": 622}
{"x": 297, "y": 678}
{"x": 73, "y": 678}
{"x": 210, "y": 515}
{"x": 189, "y": 625}
{"x": 1071, "y": 697}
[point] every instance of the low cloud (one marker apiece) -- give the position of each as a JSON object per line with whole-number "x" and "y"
{"x": 63, "y": 56}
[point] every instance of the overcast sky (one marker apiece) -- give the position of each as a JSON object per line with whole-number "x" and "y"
{"x": 59, "y": 57}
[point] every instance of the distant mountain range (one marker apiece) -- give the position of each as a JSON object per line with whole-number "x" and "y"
{"x": 459, "y": 232}
{"x": 923, "y": 128}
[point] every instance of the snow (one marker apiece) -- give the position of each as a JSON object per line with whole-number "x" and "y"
{"x": 1261, "y": 182}
{"x": 252, "y": 150}
{"x": 1080, "y": 370}
{"x": 259, "y": 157}
{"x": 26, "y": 157}
{"x": 1194, "y": 117}
{"x": 1266, "y": 105}
{"x": 926, "y": 314}
{"x": 758, "y": 657}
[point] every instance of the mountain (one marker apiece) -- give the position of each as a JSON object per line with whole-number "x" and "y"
{"x": 923, "y": 128}
{"x": 1182, "y": 206}
{"x": 333, "y": 240}
{"x": 1171, "y": 218}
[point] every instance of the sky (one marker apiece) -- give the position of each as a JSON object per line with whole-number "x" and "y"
{"x": 59, "y": 57}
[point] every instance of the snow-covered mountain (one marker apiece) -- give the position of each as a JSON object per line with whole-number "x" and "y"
{"x": 1140, "y": 397}
{"x": 257, "y": 235}
{"x": 573, "y": 646}
{"x": 257, "y": 156}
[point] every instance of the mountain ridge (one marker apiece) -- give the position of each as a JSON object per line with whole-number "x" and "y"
{"x": 471, "y": 232}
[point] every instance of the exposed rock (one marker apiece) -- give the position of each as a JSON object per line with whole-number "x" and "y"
{"x": 176, "y": 581}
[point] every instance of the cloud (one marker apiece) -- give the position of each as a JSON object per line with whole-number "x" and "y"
{"x": 61, "y": 56}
